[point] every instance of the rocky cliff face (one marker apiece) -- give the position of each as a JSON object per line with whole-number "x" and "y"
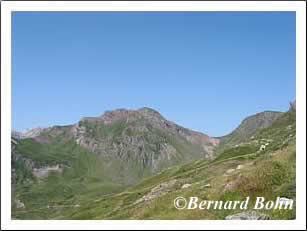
{"x": 140, "y": 141}
{"x": 142, "y": 137}
{"x": 136, "y": 143}
{"x": 34, "y": 132}
{"x": 99, "y": 190}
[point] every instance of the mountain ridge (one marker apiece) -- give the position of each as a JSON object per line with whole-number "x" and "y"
{"x": 249, "y": 126}
{"x": 88, "y": 187}
{"x": 139, "y": 142}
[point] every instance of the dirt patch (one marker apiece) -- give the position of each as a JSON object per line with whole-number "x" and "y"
{"x": 44, "y": 172}
{"x": 157, "y": 191}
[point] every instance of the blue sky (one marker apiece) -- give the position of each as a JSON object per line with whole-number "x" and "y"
{"x": 203, "y": 70}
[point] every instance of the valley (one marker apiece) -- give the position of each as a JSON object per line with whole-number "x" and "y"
{"x": 132, "y": 164}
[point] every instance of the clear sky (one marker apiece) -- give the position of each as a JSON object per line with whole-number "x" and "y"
{"x": 203, "y": 70}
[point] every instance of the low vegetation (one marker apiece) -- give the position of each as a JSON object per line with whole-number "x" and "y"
{"x": 90, "y": 189}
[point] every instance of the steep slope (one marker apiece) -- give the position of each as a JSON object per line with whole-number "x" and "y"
{"x": 101, "y": 155}
{"x": 142, "y": 139}
{"x": 249, "y": 126}
{"x": 237, "y": 173}
{"x": 88, "y": 188}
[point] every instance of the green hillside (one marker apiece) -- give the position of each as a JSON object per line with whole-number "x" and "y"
{"x": 90, "y": 189}
{"x": 249, "y": 127}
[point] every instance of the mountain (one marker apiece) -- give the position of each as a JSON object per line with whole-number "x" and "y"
{"x": 238, "y": 172}
{"x": 16, "y": 134}
{"x": 30, "y": 133}
{"x": 85, "y": 170}
{"x": 141, "y": 136}
{"x": 135, "y": 143}
{"x": 249, "y": 126}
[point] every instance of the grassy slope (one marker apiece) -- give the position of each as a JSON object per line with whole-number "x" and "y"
{"x": 249, "y": 127}
{"x": 84, "y": 172}
{"x": 86, "y": 175}
{"x": 270, "y": 174}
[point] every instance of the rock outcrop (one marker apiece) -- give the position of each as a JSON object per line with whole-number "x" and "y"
{"x": 250, "y": 215}
{"x": 44, "y": 172}
{"x": 159, "y": 190}
{"x": 142, "y": 137}
{"x": 34, "y": 132}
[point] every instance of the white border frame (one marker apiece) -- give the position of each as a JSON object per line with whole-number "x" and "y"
{"x": 8, "y": 7}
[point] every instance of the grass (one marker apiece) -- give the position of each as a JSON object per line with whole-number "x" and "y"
{"x": 120, "y": 205}
{"x": 236, "y": 151}
{"x": 51, "y": 153}
{"x": 88, "y": 182}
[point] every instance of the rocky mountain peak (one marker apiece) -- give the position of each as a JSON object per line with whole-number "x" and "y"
{"x": 141, "y": 137}
{"x": 115, "y": 115}
{"x": 110, "y": 116}
{"x": 149, "y": 111}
